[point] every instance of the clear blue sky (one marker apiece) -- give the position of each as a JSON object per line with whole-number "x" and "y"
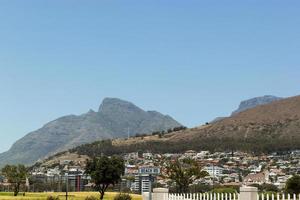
{"x": 193, "y": 60}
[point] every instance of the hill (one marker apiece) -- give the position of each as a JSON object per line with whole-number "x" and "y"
{"x": 265, "y": 128}
{"x": 114, "y": 119}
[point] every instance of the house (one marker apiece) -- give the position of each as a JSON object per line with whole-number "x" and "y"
{"x": 131, "y": 170}
{"x": 5, "y": 184}
{"x": 148, "y": 156}
{"x": 258, "y": 178}
{"x": 281, "y": 181}
{"x": 190, "y": 154}
{"x": 202, "y": 154}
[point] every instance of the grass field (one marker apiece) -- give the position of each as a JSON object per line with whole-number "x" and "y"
{"x": 73, "y": 196}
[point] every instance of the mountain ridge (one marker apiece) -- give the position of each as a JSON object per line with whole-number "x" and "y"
{"x": 265, "y": 128}
{"x": 256, "y": 101}
{"x": 113, "y": 119}
{"x": 251, "y": 103}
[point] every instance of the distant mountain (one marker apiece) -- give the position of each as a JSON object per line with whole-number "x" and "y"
{"x": 266, "y": 128}
{"x": 217, "y": 119}
{"x": 115, "y": 118}
{"x": 257, "y": 101}
{"x": 251, "y": 103}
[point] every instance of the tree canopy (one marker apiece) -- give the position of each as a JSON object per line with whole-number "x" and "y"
{"x": 105, "y": 171}
{"x": 183, "y": 173}
{"x": 293, "y": 185}
{"x": 16, "y": 175}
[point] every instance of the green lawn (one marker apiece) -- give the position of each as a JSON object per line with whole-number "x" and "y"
{"x": 73, "y": 196}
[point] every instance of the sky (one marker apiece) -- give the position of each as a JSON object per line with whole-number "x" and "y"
{"x": 193, "y": 60}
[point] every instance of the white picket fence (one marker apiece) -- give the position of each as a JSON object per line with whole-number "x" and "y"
{"x": 278, "y": 196}
{"x": 204, "y": 196}
{"x": 229, "y": 196}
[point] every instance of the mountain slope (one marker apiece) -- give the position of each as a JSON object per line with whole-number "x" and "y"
{"x": 274, "y": 126}
{"x": 265, "y": 128}
{"x": 114, "y": 119}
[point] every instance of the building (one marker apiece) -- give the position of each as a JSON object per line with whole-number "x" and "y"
{"x": 190, "y": 154}
{"x": 76, "y": 180}
{"x": 259, "y": 178}
{"x": 214, "y": 171}
{"x": 146, "y": 175}
{"x": 131, "y": 170}
{"x": 142, "y": 183}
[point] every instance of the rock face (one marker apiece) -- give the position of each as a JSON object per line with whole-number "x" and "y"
{"x": 257, "y": 101}
{"x": 114, "y": 119}
{"x": 250, "y": 103}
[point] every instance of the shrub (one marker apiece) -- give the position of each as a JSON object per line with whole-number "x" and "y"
{"x": 293, "y": 185}
{"x": 52, "y": 198}
{"x": 91, "y": 198}
{"x": 224, "y": 190}
{"x": 123, "y": 197}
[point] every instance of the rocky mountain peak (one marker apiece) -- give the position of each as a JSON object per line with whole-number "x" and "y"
{"x": 114, "y": 104}
{"x": 257, "y": 101}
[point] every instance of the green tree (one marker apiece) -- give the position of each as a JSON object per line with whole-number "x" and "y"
{"x": 183, "y": 173}
{"x": 16, "y": 175}
{"x": 293, "y": 185}
{"x": 105, "y": 171}
{"x": 269, "y": 188}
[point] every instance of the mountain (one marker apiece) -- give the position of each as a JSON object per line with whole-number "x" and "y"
{"x": 217, "y": 119}
{"x": 257, "y": 101}
{"x": 115, "y": 118}
{"x": 251, "y": 103}
{"x": 265, "y": 128}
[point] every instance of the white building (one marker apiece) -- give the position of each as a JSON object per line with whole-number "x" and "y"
{"x": 256, "y": 169}
{"x": 190, "y": 154}
{"x": 141, "y": 183}
{"x": 214, "y": 171}
{"x": 146, "y": 174}
{"x": 202, "y": 154}
{"x": 148, "y": 156}
{"x": 53, "y": 172}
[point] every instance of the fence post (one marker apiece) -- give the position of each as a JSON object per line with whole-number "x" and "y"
{"x": 160, "y": 194}
{"x": 248, "y": 193}
{"x": 145, "y": 195}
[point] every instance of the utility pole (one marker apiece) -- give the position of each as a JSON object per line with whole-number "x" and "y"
{"x": 67, "y": 185}
{"x": 150, "y": 187}
{"x": 59, "y": 180}
{"x": 213, "y": 176}
{"x": 128, "y": 135}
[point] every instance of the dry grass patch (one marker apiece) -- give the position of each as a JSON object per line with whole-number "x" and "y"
{"x": 72, "y": 196}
